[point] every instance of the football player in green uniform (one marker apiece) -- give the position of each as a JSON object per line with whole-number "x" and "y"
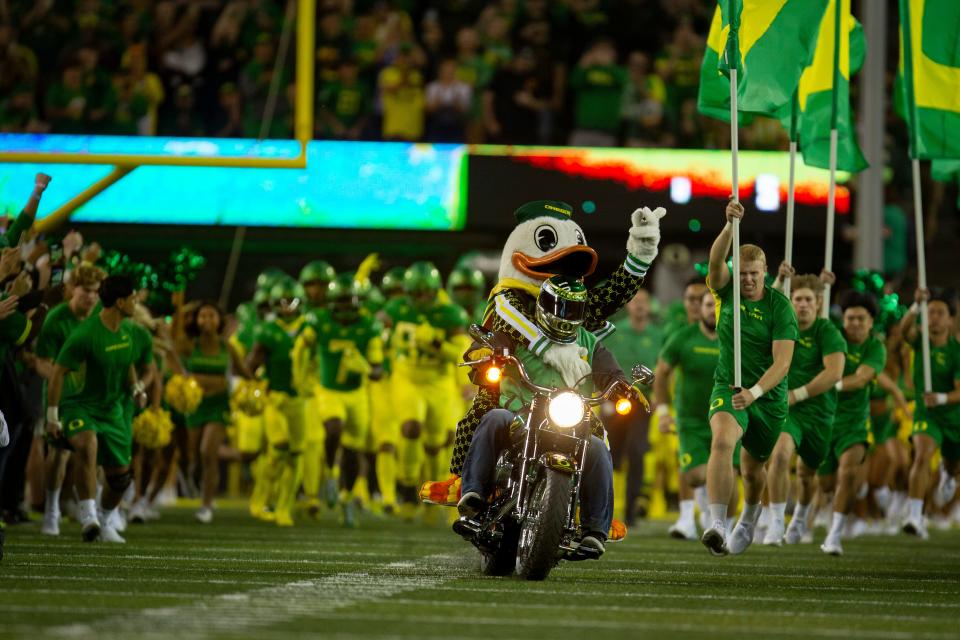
{"x": 315, "y": 277}
{"x": 693, "y": 352}
{"x": 755, "y": 414}
{"x": 284, "y": 416}
{"x": 468, "y": 288}
{"x": 100, "y": 352}
{"x": 936, "y": 420}
{"x": 816, "y": 368}
{"x": 350, "y": 352}
{"x": 850, "y": 436}
{"x": 427, "y": 339}
{"x": 57, "y": 326}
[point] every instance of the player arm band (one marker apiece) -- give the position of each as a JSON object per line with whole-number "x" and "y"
{"x": 756, "y": 391}
{"x": 801, "y": 393}
{"x": 662, "y": 410}
{"x": 53, "y": 414}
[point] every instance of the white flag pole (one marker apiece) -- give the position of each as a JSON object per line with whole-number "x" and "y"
{"x": 788, "y": 250}
{"x": 735, "y": 181}
{"x": 831, "y": 215}
{"x": 922, "y": 275}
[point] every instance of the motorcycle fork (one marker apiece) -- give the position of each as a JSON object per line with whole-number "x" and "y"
{"x": 580, "y": 455}
{"x": 529, "y": 451}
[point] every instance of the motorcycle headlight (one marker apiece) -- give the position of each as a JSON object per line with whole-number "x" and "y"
{"x": 566, "y": 410}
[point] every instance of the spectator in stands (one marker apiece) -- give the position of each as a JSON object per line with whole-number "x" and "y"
{"x": 495, "y": 37}
{"x": 144, "y": 83}
{"x": 18, "y": 112}
{"x": 66, "y": 100}
{"x": 401, "y": 94}
{"x": 511, "y": 110}
{"x": 129, "y": 105}
{"x": 254, "y": 85}
{"x": 98, "y": 88}
{"x": 344, "y": 105}
{"x": 364, "y": 47}
{"x": 333, "y": 47}
{"x": 689, "y": 131}
{"x": 448, "y": 103}
{"x": 643, "y": 102}
{"x": 597, "y": 84}
{"x": 473, "y": 69}
{"x": 679, "y": 66}
{"x": 228, "y": 122}
{"x": 434, "y": 42}
{"x": 183, "y": 119}
{"x": 18, "y": 64}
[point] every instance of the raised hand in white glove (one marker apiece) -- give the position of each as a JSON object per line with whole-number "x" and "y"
{"x": 644, "y": 235}
{"x": 568, "y": 360}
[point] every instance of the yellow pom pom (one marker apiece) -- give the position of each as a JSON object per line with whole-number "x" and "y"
{"x": 250, "y": 397}
{"x": 183, "y": 394}
{"x": 152, "y": 428}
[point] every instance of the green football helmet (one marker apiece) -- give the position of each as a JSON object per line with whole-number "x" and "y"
{"x": 261, "y": 297}
{"x": 421, "y": 277}
{"x": 466, "y": 286}
{"x": 317, "y": 270}
{"x": 561, "y": 308}
{"x": 392, "y": 283}
{"x": 344, "y": 295}
{"x": 286, "y": 295}
{"x": 269, "y": 277}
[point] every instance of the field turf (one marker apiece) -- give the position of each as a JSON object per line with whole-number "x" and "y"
{"x": 388, "y": 579}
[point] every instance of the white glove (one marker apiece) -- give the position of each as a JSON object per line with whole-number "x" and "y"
{"x": 568, "y": 360}
{"x": 645, "y": 233}
{"x": 4, "y": 432}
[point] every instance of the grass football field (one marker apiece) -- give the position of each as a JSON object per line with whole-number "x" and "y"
{"x": 389, "y": 579}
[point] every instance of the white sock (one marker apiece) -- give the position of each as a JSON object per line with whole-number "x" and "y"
{"x": 718, "y": 511}
{"x": 863, "y": 491}
{"x": 105, "y": 516}
{"x": 764, "y": 519}
{"x": 800, "y": 513}
{"x": 915, "y": 509}
{"x": 700, "y": 497}
{"x": 778, "y": 511}
{"x": 731, "y": 523}
{"x": 129, "y": 493}
{"x": 686, "y": 511}
{"x": 53, "y": 501}
{"x": 882, "y": 496}
{"x": 836, "y": 527}
{"x": 87, "y": 509}
{"x": 897, "y": 501}
{"x": 751, "y": 512}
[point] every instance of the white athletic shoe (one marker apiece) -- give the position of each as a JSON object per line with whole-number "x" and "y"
{"x": 90, "y": 529}
{"x": 946, "y": 488}
{"x": 142, "y": 512}
{"x": 832, "y": 546}
{"x": 109, "y": 534}
{"x": 795, "y": 531}
{"x": 916, "y": 528}
{"x": 204, "y": 515}
{"x": 684, "y": 530}
{"x": 855, "y": 528}
{"x": 51, "y": 524}
{"x": 715, "y": 538}
{"x": 331, "y": 493}
{"x": 71, "y": 509}
{"x": 741, "y": 538}
{"x": 807, "y": 537}
{"x": 118, "y": 521}
{"x": 774, "y": 535}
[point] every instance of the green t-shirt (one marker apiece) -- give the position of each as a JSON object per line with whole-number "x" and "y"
{"x": 695, "y": 357}
{"x": 142, "y": 344}
{"x": 514, "y": 396}
{"x": 57, "y": 327}
{"x": 101, "y": 359}
{"x": 853, "y": 407}
{"x": 14, "y": 330}
{"x": 347, "y": 103}
{"x": 406, "y": 317}
{"x": 761, "y": 323}
{"x": 813, "y": 345}
{"x": 277, "y": 338}
{"x": 944, "y": 372}
{"x": 630, "y": 346}
{"x": 599, "y": 91}
{"x": 334, "y": 340}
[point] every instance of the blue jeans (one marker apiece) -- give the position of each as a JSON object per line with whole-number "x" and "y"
{"x": 596, "y": 488}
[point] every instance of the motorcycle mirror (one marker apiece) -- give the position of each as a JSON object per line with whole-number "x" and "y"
{"x": 477, "y": 333}
{"x": 642, "y": 374}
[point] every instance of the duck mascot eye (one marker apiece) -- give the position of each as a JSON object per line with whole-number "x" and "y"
{"x": 547, "y": 242}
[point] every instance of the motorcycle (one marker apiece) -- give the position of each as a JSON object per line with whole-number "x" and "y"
{"x": 530, "y": 523}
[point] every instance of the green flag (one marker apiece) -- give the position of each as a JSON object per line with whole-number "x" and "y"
{"x": 713, "y": 99}
{"x": 930, "y": 69}
{"x": 824, "y": 91}
{"x": 771, "y": 42}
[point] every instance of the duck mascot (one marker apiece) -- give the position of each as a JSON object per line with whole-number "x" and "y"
{"x": 547, "y": 242}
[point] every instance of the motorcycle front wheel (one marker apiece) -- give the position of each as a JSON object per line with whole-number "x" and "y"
{"x": 502, "y": 561}
{"x": 542, "y": 528}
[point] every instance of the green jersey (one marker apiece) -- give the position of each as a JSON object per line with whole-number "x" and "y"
{"x": 514, "y": 396}
{"x": 336, "y": 342}
{"x": 944, "y": 373}
{"x": 853, "y": 407}
{"x": 630, "y": 346}
{"x": 406, "y": 317}
{"x": 101, "y": 358}
{"x": 277, "y": 338}
{"x": 142, "y": 345}
{"x": 761, "y": 323}
{"x": 57, "y": 327}
{"x": 815, "y": 343}
{"x": 695, "y": 357}
{"x": 14, "y": 331}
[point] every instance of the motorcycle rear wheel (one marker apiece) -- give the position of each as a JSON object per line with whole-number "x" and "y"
{"x": 542, "y": 530}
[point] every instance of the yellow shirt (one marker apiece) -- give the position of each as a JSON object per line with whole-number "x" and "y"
{"x": 402, "y": 96}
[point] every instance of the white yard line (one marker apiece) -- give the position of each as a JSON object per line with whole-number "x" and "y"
{"x": 243, "y": 612}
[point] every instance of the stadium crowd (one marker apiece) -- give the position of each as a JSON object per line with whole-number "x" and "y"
{"x": 340, "y": 391}
{"x": 580, "y": 72}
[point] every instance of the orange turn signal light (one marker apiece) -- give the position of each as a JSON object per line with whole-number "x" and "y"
{"x": 493, "y": 374}
{"x": 624, "y": 406}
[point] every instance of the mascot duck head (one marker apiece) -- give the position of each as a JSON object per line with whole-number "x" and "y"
{"x": 546, "y": 242}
